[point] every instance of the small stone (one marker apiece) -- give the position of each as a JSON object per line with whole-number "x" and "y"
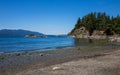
{"x": 41, "y": 54}
{"x": 1, "y": 58}
{"x": 18, "y": 54}
{"x": 56, "y": 68}
{"x": 79, "y": 48}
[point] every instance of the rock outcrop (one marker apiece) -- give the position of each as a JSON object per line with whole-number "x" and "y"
{"x": 79, "y": 33}
{"x": 82, "y": 32}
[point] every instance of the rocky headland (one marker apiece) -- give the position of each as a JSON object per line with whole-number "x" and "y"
{"x": 97, "y": 26}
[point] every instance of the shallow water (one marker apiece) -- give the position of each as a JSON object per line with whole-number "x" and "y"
{"x": 10, "y": 44}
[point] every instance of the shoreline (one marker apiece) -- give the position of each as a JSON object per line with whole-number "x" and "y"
{"x": 39, "y": 50}
{"x": 113, "y": 38}
{"x": 107, "y": 64}
{"x": 15, "y": 63}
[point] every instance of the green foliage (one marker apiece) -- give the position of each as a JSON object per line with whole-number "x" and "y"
{"x": 78, "y": 24}
{"x": 99, "y": 21}
{"x": 109, "y": 30}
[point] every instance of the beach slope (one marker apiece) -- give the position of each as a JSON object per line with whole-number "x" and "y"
{"x": 107, "y": 64}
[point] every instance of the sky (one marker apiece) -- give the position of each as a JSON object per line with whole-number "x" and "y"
{"x": 51, "y": 16}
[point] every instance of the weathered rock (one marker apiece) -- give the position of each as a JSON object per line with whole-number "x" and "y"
{"x": 41, "y": 54}
{"x": 56, "y": 68}
{"x": 2, "y": 57}
{"x": 118, "y": 39}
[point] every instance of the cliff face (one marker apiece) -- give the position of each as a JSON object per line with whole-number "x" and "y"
{"x": 79, "y": 31}
{"x": 82, "y": 32}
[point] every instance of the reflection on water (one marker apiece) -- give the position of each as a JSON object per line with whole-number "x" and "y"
{"x": 8, "y": 44}
{"x": 91, "y": 42}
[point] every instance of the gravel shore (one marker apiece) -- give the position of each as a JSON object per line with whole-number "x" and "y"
{"x": 67, "y": 61}
{"x": 103, "y": 65}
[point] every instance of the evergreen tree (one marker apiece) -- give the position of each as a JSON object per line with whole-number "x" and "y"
{"x": 99, "y": 21}
{"x": 78, "y": 24}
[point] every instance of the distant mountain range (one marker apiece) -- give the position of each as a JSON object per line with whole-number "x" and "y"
{"x": 17, "y": 33}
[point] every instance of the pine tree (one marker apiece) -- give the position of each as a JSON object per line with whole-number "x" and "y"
{"x": 78, "y": 24}
{"x": 99, "y": 21}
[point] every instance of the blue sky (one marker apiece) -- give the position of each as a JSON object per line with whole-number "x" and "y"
{"x": 51, "y": 16}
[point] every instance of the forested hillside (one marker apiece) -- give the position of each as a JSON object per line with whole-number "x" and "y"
{"x": 100, "y": 22}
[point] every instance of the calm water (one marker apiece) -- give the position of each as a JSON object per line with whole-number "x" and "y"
{"x": 8, "y": 44}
